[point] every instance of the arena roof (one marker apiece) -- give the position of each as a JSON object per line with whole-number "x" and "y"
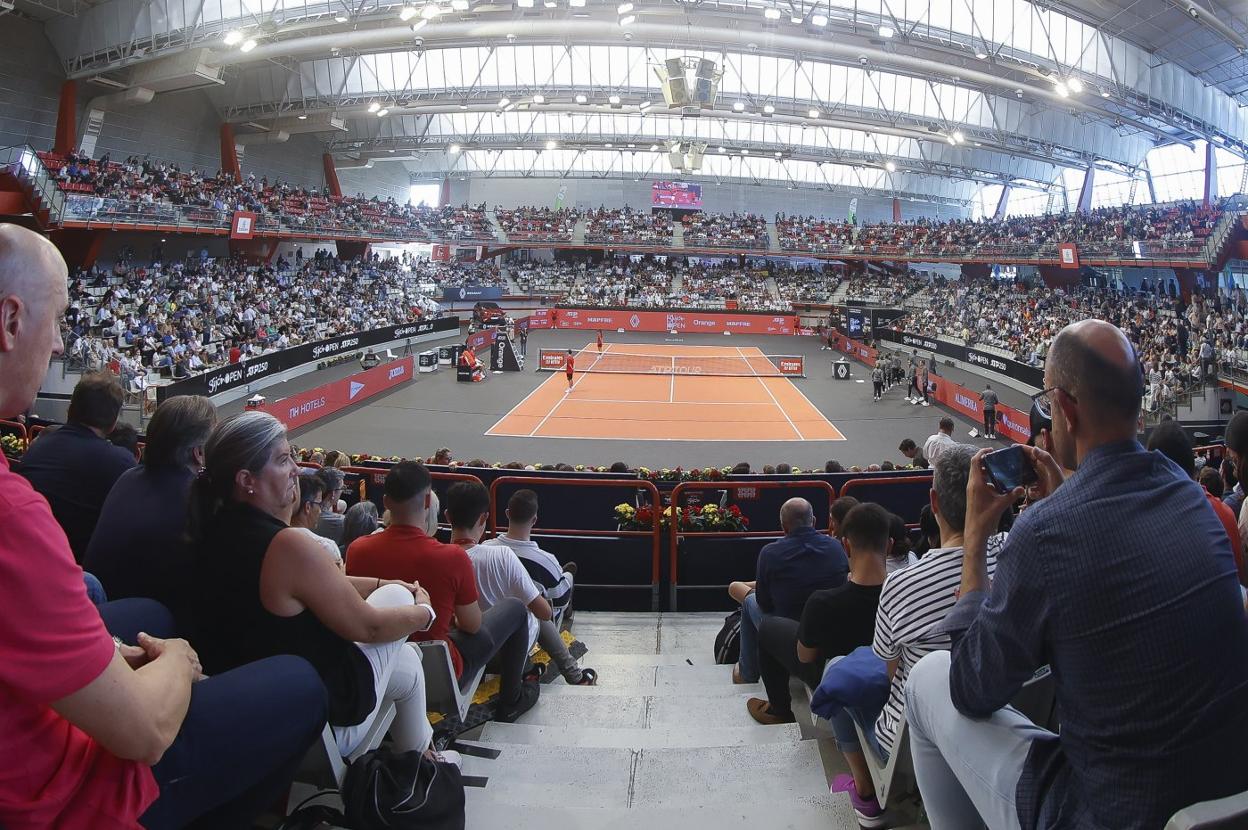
{"x": 915, "y": 98}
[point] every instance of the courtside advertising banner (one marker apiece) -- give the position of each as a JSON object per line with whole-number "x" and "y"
{"x": 680, "y": 321}
{"x": 311, "y": 406}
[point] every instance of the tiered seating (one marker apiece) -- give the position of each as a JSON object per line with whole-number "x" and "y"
{"x": 806, "y": 285}
{"x": 529, "y": 224}
{"x": 728, "y": 287}
{"x": 888, "y": 290}
{"x": 711, "y": 230}
{"x": 627, "y": 227}
{"x": 555, "y": 278}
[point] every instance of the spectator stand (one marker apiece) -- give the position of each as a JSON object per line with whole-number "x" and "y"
{"x": 614, "y": 567}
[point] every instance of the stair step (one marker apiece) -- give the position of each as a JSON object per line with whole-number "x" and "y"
{"x": 741, "y": 812}
{"x": 659, "y": 681}
{"x": 670, "y": 737}
{"x": 776, "y": 773}
{"x": 637, "y": 710}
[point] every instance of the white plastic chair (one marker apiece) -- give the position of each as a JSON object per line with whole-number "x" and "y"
{"x": 442, "y": 690}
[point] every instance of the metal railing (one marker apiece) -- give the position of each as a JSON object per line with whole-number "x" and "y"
{"x": 25, "y": 165}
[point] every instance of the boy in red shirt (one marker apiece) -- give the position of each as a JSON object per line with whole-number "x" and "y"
{"x": 403, "y": 551}
{"x": 569, "y": 363}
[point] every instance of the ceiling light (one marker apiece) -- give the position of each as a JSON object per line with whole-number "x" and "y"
{"x": 460, "y": 5}
{"x": 739, "y": 106}
{"x": 502, "y": 102}
{"x": 551, "y": 144}
{"x": 745, "y": 151}
{"x": 550, "y": 4}
{"x": 950, "y": 139}
{"x": 862, "y": 59}
{"x": 577, "y": 4}
{"x": 983, "y": 56}
{"x": 303, "y": 118}
{"x": 407, "y": 13}
{"x": 958, "y": 136}
{"x": 890, "y": 167}
{"x": 463, "y": 106}
{"x": 430, "y": 11}
{"x": 628, "y": 20}
{"x": 771, "y": 13}
{"x": 645, "y": 105}
{"x": 248, "y": 45}
{"x": 383, "y": 112}
{"x": 1217, "y": 139}
{"x": 723, "y": 150}
{"x": 453, "y": 149}
{"x": 232, "y": 38}
{"x": 1074, "y": 85}
{"x": 768, "y": 109}
{"x": 510, "y": 107}
{"x": 819, "y": 19}
{"x": 813, "y": 113}
{"x": 624, "y": 8}
{"x": 580, "y": 99}
{"x": 886, "y": 31}
{"x": 539, "y": 99}
{"x": 340, "y": 18}
{"x": 1104, "y": 93}
{"x": 1062, "y": 89}
{"x": 796, "y": 21}
{"x": 654, "y": 147}
{"x": 373, "y": 107}
{"x": 419, "y": 24}
{"x": 608, "y": 145}
{"x": 525, "y": 4}
{"x": 778, "y": 154}
{"x": 614, "y": 100}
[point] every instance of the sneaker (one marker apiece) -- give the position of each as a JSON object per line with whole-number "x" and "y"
{"x": 925, "y": 403}
{"x": 529, "y": 692}
{"x": 867, "y": 810}
{"x": 447, "y": 756}
{"x": 589, "y": 677}
{"x": 760, "y": 710}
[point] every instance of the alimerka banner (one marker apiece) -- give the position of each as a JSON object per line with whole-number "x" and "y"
{"x": 708, "y": 322}
{"x": 313, "y": 405}
{"x": 232, "y": 376}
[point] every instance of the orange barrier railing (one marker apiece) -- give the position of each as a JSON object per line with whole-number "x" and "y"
{"x": 377, "y": 476}
{"x": 655, "y": 533}
{"x": 676, "y": 532}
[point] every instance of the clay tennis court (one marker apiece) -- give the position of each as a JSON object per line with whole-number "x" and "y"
{"x": 644, "y": 392}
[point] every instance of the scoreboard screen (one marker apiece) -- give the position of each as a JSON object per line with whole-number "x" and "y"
{"x": 678, "y": 195}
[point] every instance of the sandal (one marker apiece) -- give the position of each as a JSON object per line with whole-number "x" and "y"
{"x": 589, "y": 677}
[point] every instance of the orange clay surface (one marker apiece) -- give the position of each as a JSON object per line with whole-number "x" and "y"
{"x": 643, "y": 407}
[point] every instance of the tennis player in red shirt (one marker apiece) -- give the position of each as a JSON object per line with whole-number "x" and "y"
{"x": 569, "y": 363}
{"x": 600, "y": 342}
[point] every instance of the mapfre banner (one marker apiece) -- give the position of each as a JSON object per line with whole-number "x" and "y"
{"x": 680, "y": 321}
{"x": 323, "y": 401}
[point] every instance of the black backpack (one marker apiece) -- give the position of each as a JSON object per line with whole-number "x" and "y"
{"x": 387, "y": 790}
{"x": 728, "y": 640}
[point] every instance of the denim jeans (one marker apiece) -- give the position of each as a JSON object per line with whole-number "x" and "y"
{"x": 751, "y": 616}
{"x": 243, "y": 736}
{"x": 843, "y": 725}
{"x": 95, "y": 590}
{"x": 967, "y": 769}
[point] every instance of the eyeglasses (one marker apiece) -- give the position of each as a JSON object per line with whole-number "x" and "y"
{"x": 1044, "y": 400}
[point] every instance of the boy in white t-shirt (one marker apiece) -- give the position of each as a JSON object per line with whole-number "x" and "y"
{"x": 500, "y": 575}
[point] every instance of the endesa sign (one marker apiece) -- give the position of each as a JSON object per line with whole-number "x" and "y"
{"x": 552, "y": 359}
{"x": 311, "y": 406}
{"x": 708, "y": 322}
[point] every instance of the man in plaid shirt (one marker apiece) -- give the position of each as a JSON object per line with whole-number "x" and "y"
{"x": 1121, "y": 579}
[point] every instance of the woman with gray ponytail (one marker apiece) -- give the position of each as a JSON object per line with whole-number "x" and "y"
{"x": 264, "y": 588}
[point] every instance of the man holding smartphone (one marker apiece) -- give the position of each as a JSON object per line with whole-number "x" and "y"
{"x": 1139, "y": 616}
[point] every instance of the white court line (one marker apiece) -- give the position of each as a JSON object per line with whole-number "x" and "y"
{"x": 671, "y": 394}
{"x": 560, "y": 402}
{"x": 767, "y": 389}
{"x": 819, "y": 412}
{"x": 682, "y": 403}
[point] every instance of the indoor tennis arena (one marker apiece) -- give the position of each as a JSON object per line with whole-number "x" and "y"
{"x": 748, "y": 415}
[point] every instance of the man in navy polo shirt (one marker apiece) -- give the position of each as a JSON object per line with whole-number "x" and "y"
{"x": 789, "y": 571}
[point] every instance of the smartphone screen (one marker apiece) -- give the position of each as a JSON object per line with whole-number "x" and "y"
{"x": 1009, "y": 468}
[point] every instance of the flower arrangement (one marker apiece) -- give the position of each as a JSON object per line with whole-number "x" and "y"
{"x": 708, "y": 518}
{"x": 12, "y": 445}
{"x": 680, "y": 474}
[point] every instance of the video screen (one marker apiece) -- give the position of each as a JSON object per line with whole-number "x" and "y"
{"x": 678, "y": 195}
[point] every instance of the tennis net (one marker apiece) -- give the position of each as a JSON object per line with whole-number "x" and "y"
{"x": 744, "y": 365}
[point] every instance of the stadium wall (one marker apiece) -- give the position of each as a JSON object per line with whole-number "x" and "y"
{"x": 30, "y": 84}
{"x": 385, "y": 179}
{"x": 726, "y": 198}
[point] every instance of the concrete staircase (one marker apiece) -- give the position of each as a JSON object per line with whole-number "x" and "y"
{"x": 664, "y": 742}
{"x": 839, "y": 295}
{"x": 773, "y": 239}
{"x": 678, "y": 235}
{"x": 499, "y": 235}
{"x": 578, "y": 233}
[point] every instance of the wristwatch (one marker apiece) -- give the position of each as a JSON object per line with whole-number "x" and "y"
{"x": 433, "y": 615}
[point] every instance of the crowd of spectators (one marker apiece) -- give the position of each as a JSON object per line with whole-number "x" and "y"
{"x": 718, "y": 230}
{"x": 883, "y": 289}
{"x": 727, "y": 286}
{"x": 643, "y": 284}
{"x": 455, "y": 274}
{"x": 625, "y": 226}
{"x": 550, "y": 278}
{"x": 531, "y": 224}
{"x": 140, "y": 187}
{"x": 807, "y": 284}
{"x": 181, "y": 318}
{"x": 1179, "y": 228}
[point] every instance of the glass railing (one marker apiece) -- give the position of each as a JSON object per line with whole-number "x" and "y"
{"x": 24, "y": 163}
